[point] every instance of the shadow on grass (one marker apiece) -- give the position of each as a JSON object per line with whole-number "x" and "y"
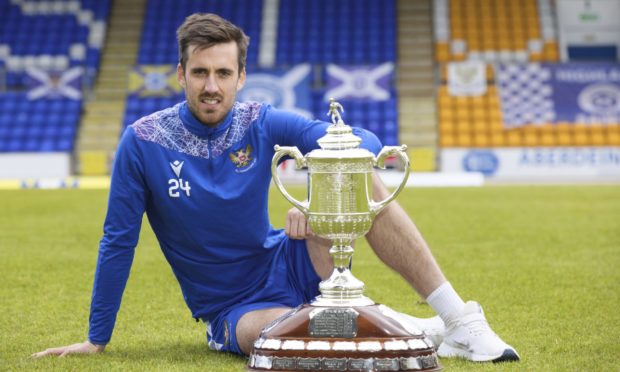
{"x": 174, "y": 356}
{"x": 176, "y": 353}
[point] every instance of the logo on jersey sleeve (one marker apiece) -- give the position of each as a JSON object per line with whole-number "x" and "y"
{"x": 242, "y": 159}
{"x": 177, "y": 185}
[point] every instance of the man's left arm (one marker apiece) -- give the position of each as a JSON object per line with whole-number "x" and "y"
{"x": 289, "y": 129}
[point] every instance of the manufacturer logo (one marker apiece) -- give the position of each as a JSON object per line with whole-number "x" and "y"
{"x": 176, "y": 167}
{"x": 242, "y": 159}
{"x": 177, "y": 185}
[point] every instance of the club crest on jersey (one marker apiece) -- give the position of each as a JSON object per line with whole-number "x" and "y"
{"x": 242, "y": 159}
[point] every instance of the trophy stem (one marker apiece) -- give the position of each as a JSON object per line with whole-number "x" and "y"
{"x": 342, "y": 288}
{"x": 341, "y": 254}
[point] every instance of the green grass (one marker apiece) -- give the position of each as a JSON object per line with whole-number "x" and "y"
{"x": 544, "y": 262}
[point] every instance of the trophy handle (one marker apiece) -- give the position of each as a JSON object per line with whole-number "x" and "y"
{"x": 300, "y": 162}
{"x": 379, "y": 162}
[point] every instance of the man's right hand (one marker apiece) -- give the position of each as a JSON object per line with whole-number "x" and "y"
{"x": 80, "y": 348}
{"x": 297, "y": 226}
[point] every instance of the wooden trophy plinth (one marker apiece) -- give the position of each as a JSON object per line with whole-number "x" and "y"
{"x": 340, "y": 338}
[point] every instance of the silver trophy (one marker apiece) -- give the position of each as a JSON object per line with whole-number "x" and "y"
{"x": 341, "y": 329}
{"x": 340, "y": 205}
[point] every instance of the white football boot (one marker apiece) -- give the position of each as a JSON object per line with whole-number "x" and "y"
{"x": 471, "y": 337}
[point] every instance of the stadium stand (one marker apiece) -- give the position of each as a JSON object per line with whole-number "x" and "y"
{"x": 495, "y": 33}
{"x": 346, "y": 33}
{"x": 37, "y": 125}
{"x": 158, "y": 42}
{"x": 65, "y": 34}
{"x": 421, "y": 111}
{"x": 342, "y": 32}
{"x": 48, "y": 50}
{"x": 373, "y": 36}
{"x": 494, "y": 30}
{"x": 50, "y": 35}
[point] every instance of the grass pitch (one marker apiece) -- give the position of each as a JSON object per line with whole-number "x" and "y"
{"x": 544, "y": 262}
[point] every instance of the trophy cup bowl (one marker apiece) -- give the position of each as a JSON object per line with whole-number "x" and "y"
{"x": 341, "y": 330}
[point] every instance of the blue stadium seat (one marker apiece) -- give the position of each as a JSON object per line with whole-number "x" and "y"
{"x": 343, "y": 32}
{"x": 37, "y": 125}
{"x": 47, "y": 33}
{"x": 158, "y": 43}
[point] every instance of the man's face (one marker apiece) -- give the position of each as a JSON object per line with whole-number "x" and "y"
{"x": 211, "y": 80}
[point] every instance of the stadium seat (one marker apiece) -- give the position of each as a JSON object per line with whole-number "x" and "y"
{"x": 494, "y": 30}
{"x": 158, "y": 42}
{"x": 37, "y": 125}
{"x": 341, "y": 32}
{"x": 50, "y": 35}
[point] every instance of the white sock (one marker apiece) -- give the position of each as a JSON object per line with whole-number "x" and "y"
{"x": 446, "y": 302}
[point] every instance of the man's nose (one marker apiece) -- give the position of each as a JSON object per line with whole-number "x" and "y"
{"x": 210, "y": 84}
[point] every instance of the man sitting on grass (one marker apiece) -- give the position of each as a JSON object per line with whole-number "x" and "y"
{"x": 208, "y": 210}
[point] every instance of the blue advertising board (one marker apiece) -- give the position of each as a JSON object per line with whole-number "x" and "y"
{"x": 551, "y": 93}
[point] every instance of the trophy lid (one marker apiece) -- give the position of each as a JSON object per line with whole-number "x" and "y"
{"x": 339, "y": 135}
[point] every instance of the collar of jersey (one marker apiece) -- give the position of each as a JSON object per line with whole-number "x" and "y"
{"x": 196, "y": 127}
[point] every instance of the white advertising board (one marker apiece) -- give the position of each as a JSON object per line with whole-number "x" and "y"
{"x": 582, "y": 14}
{"x": 35, "y": 165}
{"x": 288, "y": 174}
{"x": 546, "y": 164}
{"x": 588, "y": 23}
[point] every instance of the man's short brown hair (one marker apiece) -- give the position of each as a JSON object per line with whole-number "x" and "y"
{"x": 205, "y": 30}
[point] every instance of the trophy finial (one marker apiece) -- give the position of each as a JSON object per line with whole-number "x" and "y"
{"x": 339, "y": 135}
{"x": 335, "y": 109}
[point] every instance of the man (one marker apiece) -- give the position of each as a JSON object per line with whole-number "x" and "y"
{"x": 201, "y": 172}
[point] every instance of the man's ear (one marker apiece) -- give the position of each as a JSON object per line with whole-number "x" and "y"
{"x": 241, "y": 81}
{"x": 181, "y": 76}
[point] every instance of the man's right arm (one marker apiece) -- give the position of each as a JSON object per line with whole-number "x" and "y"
{"x": 126, "y": 207}
{"x": 85, "y": 347}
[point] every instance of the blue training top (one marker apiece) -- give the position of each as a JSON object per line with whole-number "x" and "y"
{"x": 205, "y": 192}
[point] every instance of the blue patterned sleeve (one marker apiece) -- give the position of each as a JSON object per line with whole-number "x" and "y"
{"x": 290, "y": 129}
{"x": 126, "y": 207}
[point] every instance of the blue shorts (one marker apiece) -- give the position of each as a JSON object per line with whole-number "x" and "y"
{"x": 292, "y": 281}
